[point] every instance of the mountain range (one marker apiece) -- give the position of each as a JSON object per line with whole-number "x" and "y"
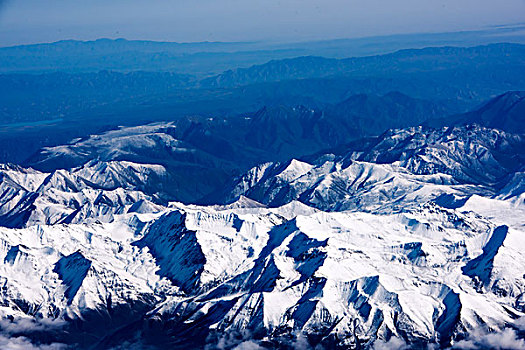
{"x": 350, "y": 253}
{"x": 308, "y": 203}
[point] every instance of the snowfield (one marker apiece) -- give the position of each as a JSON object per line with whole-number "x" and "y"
{"x": 428, "y": 275}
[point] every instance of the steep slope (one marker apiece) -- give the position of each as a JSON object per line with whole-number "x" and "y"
{"x": 93, "y": 192}
{"x": 190, "y": 276}
{"x": 291, "y": 131}
{"x": 372, "y": 115}
{"x": 505, "y": 112}
{"x": 346, "y": 185}
{"x": 410, "y": 237}
{"x": 471, "y": 154}
{"x": 397, "y": 170}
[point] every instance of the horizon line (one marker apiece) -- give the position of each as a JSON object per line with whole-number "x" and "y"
{"x": 494, "y": 28}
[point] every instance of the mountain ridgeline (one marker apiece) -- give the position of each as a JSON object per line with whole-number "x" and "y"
{"x": 202, "y": 154}
{"x": 462, "y": 60}
{"x": 54, "y": 106}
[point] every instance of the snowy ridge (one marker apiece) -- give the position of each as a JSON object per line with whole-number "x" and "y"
{"x": 352, "y": 185}
{"x": 340, "y": 278}
{"x": 401, "y": 168}
{"x": 93, "y": 192}
{"x": 471, "y": 154}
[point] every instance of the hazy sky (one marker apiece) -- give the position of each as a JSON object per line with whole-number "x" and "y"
{"x": 29, "y": 21}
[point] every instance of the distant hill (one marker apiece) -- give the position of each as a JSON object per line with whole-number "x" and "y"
{"x": 74, "y": 56}
{"x": 460, "y": 77}
{"x": 473, "y": 59}
{"x": 505, "y": 112}
{"x": 208, "y": 58}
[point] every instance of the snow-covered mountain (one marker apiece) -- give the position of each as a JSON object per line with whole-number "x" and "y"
{"x": 399, "y": 169}
{"x": 190, "y": 276}
{"x": 410, "y": 239}
{"x": 189, "y": 171}
{"x": 95, "y": 191}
